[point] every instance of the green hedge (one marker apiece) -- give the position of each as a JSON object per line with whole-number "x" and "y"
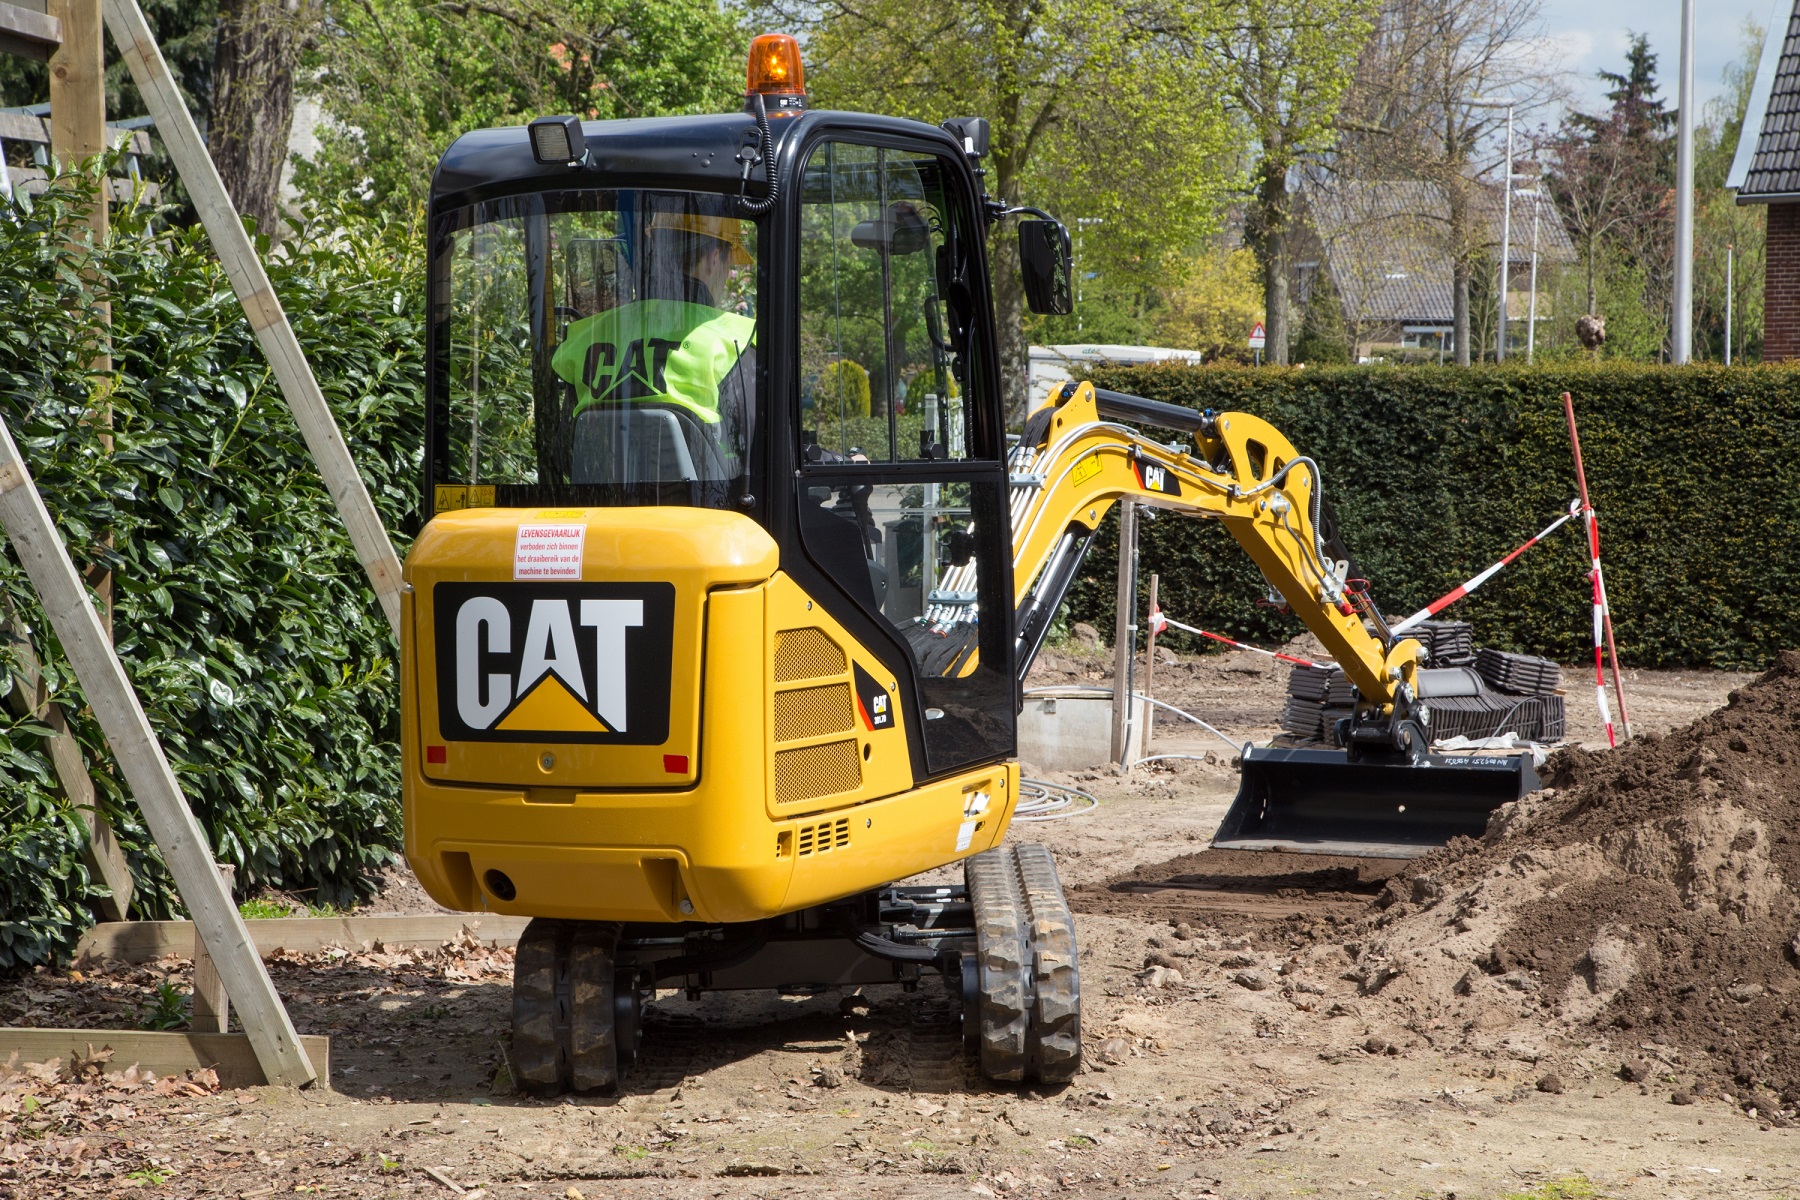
{"x": 1436, "y": 472}
{"x": 242, "y": 615}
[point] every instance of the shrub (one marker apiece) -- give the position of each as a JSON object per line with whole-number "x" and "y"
{"x": 843, "y": 390}
{"x": 1436, "y": 472}
{"x": 242, "y": 615}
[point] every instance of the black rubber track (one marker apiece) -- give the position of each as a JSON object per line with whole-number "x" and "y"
{"x": 563, "y": 978}
{"x": 540, "y": 1011}
{"x": 1003, "y": 1009}
{"x": 1055, "y": 1035}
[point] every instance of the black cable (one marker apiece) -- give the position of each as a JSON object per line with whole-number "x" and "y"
{"x": 757, "y": 208}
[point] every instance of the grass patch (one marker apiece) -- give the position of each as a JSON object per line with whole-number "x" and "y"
{"x": 1575, "y": 1187}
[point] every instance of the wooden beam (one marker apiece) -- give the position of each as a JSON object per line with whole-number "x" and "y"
{"x": 143, "y": 941}
{"x": 23, "y": 127}
{"x": 101, "y": 854}
{"x": 28, "y": 34}
{"x": 230, "y": 1054}
{"x": 181, "y": 137}
{"x": 210, "y": 1008}
{"x": 40, "y": 551}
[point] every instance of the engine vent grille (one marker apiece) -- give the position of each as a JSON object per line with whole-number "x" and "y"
{"x": 808, "y": 771}
{"x": 806, "y": 654}
{"x": 823, "y": 837}
{"x": 812, "y": 711}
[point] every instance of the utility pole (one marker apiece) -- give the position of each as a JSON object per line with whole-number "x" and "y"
{"x": 1682, "y": 326}
{"x": 1729, "y": 248}
{"x": 1505, "y": 217}
{"x": 1531, "y": 317}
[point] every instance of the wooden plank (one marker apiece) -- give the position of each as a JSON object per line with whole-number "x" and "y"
{"x": 142, "y": 941}
{"x": 210, "y": 1010}
{"x": 101, "y": 855}
{"x": 23, "y": 127}
{"x": 181, "y": 137}
{"x": 230, "y": 1054}
{"x": 40, "y": 551}
{"x": 28, "y": 34}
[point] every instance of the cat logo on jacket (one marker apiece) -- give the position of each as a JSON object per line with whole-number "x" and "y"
{"x": 563, "y": 662}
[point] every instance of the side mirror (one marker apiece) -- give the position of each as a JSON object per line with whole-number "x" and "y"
{"x": 1048, "y": 267}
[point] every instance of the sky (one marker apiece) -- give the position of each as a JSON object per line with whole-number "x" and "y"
{"x": 1591, "y": 35}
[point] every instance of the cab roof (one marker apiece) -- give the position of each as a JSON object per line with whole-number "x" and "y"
{"x": 674, "y": 152}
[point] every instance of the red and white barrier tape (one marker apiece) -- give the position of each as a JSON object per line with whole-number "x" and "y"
{"x": 1160, "y": 622}
{"x": 1457, "y": 593}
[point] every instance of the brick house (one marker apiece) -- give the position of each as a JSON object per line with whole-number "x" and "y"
{"x": 1766, "y": 170}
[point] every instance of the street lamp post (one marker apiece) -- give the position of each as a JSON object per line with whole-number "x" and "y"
{"x": 1683, "y": 315}
{"x": 1505, "y": 215}
{"x": 1531, "y": 317}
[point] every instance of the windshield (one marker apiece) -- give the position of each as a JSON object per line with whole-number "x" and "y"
{"x": 594, "y": 347}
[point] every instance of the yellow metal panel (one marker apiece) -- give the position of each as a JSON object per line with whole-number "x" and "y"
{"x": 807, "y": 653}
{"x": 695, "y": 550}
{"x": 808, "y": 772}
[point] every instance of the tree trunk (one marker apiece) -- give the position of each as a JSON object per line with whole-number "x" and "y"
{"x": 1268, "y": 230}
{"x": 253, "y": 100}
{"x": 1009, "y": 297}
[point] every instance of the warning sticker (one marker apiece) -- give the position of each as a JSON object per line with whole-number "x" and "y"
{"x": 548, "y": 551}
{"x": 1086, "y": 469}
{"x": 965, "y": 836}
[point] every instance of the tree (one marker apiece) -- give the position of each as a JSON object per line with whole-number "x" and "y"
{"x": 1215, "y": 304}
{"x": 258, "y": 48}
{"x": 400, "y": 79}
{"x": 1611, "y": 174}
{"x": 1287, "y": 67}
{"x": 1721, "y": 223}
{"x": 1420, "y": 107}
{"x": 1097, "y": 109}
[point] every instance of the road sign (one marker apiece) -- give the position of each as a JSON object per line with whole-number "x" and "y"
{"x": 1257, "y": 337}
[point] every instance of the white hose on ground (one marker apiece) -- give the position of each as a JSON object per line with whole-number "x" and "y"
{"x": 1042, "y": 801}
{"x": 1235, "y": 747}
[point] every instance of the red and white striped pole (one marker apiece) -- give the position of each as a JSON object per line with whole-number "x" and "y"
{"x": 1603, "y": 632}
{"x": 1160, "y": 621}
{"x": 1457, "y": 593}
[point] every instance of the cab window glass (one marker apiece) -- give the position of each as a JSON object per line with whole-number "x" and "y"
{"x": 599, "y": 348}
{"x": 878, "y": 372}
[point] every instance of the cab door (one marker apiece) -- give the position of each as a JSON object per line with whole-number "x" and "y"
{"x": 900, "y": 504}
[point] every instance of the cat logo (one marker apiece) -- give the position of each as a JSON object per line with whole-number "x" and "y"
{"x": 1157, "y": 479}
{"x": 571, "y": 662}
{"x": 874, "y": 703}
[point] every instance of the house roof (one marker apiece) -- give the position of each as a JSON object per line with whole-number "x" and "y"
{"x": 1767, "y": 167}
{"x": 1386, "y": 245}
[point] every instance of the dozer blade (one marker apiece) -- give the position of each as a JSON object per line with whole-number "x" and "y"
{"x": 1319, "y": 802}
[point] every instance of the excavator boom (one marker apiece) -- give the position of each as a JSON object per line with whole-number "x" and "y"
{"x": 1386, "y": 795}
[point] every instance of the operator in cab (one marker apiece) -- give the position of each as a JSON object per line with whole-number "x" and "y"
{"x": 679, "y": 347}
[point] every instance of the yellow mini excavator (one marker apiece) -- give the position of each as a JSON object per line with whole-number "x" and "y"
{"x": 727, "y": 579}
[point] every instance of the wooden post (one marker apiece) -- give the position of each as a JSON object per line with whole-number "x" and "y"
{"x": 78, "y": 131}
{"x": 1125, "y": 634}
{"x": 41, "y": 552}
{"x": 102, "y": 855}
{"x": 1150, "y": 663}
{"x": 211, "y": 1010}
{"x": 125, "y": 20}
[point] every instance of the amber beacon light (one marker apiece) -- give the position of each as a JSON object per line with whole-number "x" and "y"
{"x": 775, "y": 70}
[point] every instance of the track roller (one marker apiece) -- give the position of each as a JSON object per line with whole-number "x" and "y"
{"x": 1022, "y": 988}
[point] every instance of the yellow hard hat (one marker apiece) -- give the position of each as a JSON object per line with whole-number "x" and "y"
{"x": 722, "y": 229}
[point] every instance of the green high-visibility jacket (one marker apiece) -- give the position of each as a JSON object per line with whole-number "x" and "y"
{"x": 657, "y": 351}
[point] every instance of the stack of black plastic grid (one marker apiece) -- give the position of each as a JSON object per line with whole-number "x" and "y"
{"x": 1520, "y": 674}
{"x": 1317, "y": 698}
{"x": 1446, "y": 643}
{"x": 1515, "y": 693}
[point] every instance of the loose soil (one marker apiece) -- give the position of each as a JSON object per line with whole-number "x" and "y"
{"x": 1255, "y": 1025}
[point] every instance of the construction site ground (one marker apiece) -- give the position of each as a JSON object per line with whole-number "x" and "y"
{"x": 1241, "y": 1033}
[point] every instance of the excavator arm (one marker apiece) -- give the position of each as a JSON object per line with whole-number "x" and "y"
{"x": 1077, "y": 457}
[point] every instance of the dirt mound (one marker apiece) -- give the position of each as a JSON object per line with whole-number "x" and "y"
{"x": 1647, "y": 897}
